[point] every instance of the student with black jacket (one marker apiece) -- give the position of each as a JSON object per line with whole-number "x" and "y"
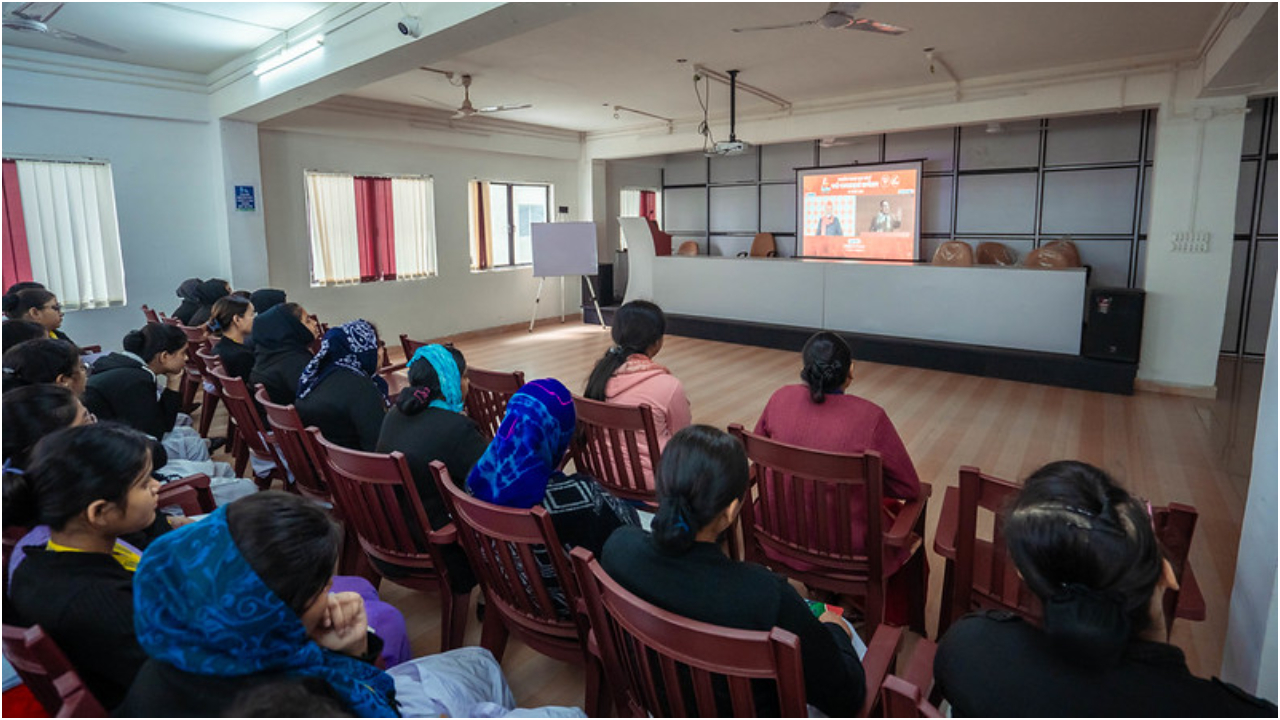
{"x": 282, "y": 338}
{"x": 123, "y": 385}
{"x": 232, "y": 321}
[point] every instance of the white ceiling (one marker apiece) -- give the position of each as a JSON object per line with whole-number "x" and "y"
{"x": 575, "y": 70}
{"x": 197, "y": 37}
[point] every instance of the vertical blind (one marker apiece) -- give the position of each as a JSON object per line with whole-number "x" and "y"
{"x": 68, "y": 217}
{"x": 365, "y": 229}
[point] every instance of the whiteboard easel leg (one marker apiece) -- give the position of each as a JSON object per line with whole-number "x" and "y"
{"x": 561, "y": 299}
{"x": 594, "y": 301}
{"x": 536, "y": 299}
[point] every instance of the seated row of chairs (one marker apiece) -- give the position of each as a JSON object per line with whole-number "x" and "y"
{"x": 1051, "y": 255}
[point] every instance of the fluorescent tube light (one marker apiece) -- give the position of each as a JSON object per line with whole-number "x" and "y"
{"x": 289, "y": 54}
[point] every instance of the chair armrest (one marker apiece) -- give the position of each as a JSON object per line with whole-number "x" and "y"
{"x": 1190, "y": 604}
{"x": 877, "y": 663}
{"x": 388, "y": 369}
{"x": 919, "y": 670}
{"x": 899, "y": 534}
{"x": 447, "y": 535}
{"x": 90, "y": 349}
{"x": 944, "y": 538}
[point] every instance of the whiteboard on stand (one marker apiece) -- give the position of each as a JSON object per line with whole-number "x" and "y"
{"x": 561, "y": 249}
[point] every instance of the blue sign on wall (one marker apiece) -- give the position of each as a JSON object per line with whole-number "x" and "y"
{"x": 244, "y": 198}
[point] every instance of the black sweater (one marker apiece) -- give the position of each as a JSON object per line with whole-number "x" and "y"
{"x": 123, "y": 389}
{"x": 84, "y": 601}
{"x": 703, "y": 584}
{"x": 433, "y": 434}
{"x": 237, "y": 359}
{"x": 347, "y": 408}
{"x": 994, "y": 664}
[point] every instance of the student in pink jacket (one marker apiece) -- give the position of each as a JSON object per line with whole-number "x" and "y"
{"x": 627, "y": 374}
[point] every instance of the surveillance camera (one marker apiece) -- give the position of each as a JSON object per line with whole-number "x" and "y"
{"x": 410, "y": 26}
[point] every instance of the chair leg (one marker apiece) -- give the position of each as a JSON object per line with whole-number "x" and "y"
{"x": 242, "y": 459}
{"x": 948, "y": 597}
{"x": 189, "y": 386}
{"x": 918, "y": 593}
{"x": 206, "y": 413}
{"x": 596, "y": 702}
{"x": 494, "y": 633}
{"x": 454, "y": 610}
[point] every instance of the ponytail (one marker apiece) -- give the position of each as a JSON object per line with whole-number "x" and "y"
{"x": 225, "y": 311}
{"x": 701, "y": 472}
{"x": 637, "y": 326}
{"x": 827, "y": 359}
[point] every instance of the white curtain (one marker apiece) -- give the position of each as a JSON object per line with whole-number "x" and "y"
{"x": 413, "y": 213}
{"x": 630, "y": 203}
{"x": 331, "y": 210}
{"x": 72, "y": 233}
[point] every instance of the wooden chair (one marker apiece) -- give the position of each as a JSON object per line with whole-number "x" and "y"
{"x": 908, "y": 695}
{"x": 688, "y": 247}
{"x": 652, "y": 657}
{"x": 502, "y": 545}
{"x": 610, "y": 442}
{"x": 197, "y": 340}
{"x": 954, "y": 253}
{"x": 150, "y": 314}
{"x": 46, "y": 671}
{"x": 375, "y": 492}
{"x": 171, "y": 321}
{"x": 1175, "y": 526}
{"x": 250, "y": 429}
{"x": 799, "y": 517}
{"x": 302, "y": 457}
{"x": 410, "y": 346}
{"x": 192, "y": 494}
{"x": 1053, "y": 255}
{"x": 486, "y": 402}
{"x": 763, "y": 245}
{"x": 994, "y": 253}
{"x": 212, "y": 388}
{"x": 979, "y": 574}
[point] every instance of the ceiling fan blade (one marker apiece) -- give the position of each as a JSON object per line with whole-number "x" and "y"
{"x": 87, "y": 42}
{"x": 40, "y": 11}
{"x": 776, "y": 27}
{"x": 503, "y": 108}
{"x": 875, "y": 26}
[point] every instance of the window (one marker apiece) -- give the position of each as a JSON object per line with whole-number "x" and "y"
{"x": 60, "y": 229}
{"x": 502, "y": 215}
{"x": 368, "y": 229}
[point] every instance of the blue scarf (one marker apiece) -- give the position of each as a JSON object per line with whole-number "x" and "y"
{"x": 199, "y": 607}
{"x": 528, "y": 447}
{"x": 353, "y": 347}
{"x": 446, "y": 367}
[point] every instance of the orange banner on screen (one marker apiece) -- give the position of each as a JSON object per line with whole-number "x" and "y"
{"x": 888, "y": 182}
{"x": 881, "y": 246}
{"x": 860, "y": 212}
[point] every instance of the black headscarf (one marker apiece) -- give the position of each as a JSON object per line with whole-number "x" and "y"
{"x": 265, "y": 299}
{"x": 278, "y": 331}
{"x": 187, "y": 291}
{"x": 209, "y": 292}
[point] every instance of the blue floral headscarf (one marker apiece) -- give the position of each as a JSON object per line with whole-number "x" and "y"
{"x": 446, "y": 367}
{"x": 528, "y": 447}
{"x": 201, "y": 608}
{"x": 352, "y": 346}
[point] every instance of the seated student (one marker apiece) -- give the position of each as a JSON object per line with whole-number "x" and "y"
{"x": 340, "y": 390}
{"x": 10, "y": 302}
{"x": 16, "y": 331}
{"x": 207, "y": 293}
{"x": 44, "y": 361}
{"x": 90, "y": 485}
{"x": 264, "y": 299}
{"x": 123, "y": 384}
{"x": 190, "y": 303}
{"x": 41, "y": 307}
{"x": 282, "y": 338}
{"x": 232, "y": 321}
{"x": 819, "y": 415}
{"x": 702, "y": 480}
{"x": 241, "y": 599}
{"x": 1087, "y": 549}
{"x": 627, "y": 374}
{"x": 520, "y": 469}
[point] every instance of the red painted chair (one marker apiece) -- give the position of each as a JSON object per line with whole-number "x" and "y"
{"x": 610, "y": 442}
{"x": 410, "y": 346}
{"x": 375, "y": 492}
{"x": 501, "y": 544}
{"x": 192, "y": 494}
{"x": 249, "y": 427}
{"x": 197, "y": 340}
{"x": 907, "y": 694}
{"x": 683, "y": 654}
{"x": 799, "y": 523}
{"x": 150, "y": 314}
{"x": 212, "y": 388}
{"x": 49, "y": 675}
{"x": 486, "y": 402}
{"x": 1175, "y": 526}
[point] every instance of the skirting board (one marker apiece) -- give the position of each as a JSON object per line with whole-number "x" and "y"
{"x": 1071, "y": 371}
{"x": 1208, "y": 392}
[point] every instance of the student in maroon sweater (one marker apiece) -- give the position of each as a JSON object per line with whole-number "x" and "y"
{"x": 820, "y": 416}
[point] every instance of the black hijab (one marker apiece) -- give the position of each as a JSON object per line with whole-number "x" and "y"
{"x": 277, "y": 331}
{"x": 207, "y": 293}
{"x": 265, "y": 299}
{"x": 187, "y": 291}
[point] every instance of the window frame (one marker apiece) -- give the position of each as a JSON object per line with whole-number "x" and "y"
{"x": 512, "y": 222}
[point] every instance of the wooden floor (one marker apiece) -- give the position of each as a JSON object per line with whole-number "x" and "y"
{"x": 1162, "y": 447}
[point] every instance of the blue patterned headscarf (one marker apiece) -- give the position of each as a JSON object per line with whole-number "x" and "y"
{"x": 528, "y": 447}
{"x": 200, "y": 607}
{"x": 446, "y": 367}
{"x": 354, "y": 347}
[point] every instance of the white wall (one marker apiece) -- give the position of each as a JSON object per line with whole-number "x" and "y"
{"x": 458, "y": 299}
{"x": 621, "y": 175}
{"x": 1249, "y": 655}
{"x": 166, "y": 195}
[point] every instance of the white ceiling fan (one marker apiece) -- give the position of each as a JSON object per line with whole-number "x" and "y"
{"x": 467, "y": 109}
{"x": 839, "y": 16}
{"x": 34, "y": 17}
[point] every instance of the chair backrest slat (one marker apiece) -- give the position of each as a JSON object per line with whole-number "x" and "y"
{"x": 241, "y": 408}
{"x": 486, "y": 401}
{"x": 611, "y": 444}
{"x": 296, "y": 447}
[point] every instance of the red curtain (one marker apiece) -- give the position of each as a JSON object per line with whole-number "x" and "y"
{"x": 648, "y": 204}
{"x": 375, "y": 230}
{"x": 17, "y": 258}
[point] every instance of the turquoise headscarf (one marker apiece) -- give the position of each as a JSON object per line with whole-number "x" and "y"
{"x": 446, "y": 367}
{"x": 528, "y": 447}
{"x": 200, "y": 607}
